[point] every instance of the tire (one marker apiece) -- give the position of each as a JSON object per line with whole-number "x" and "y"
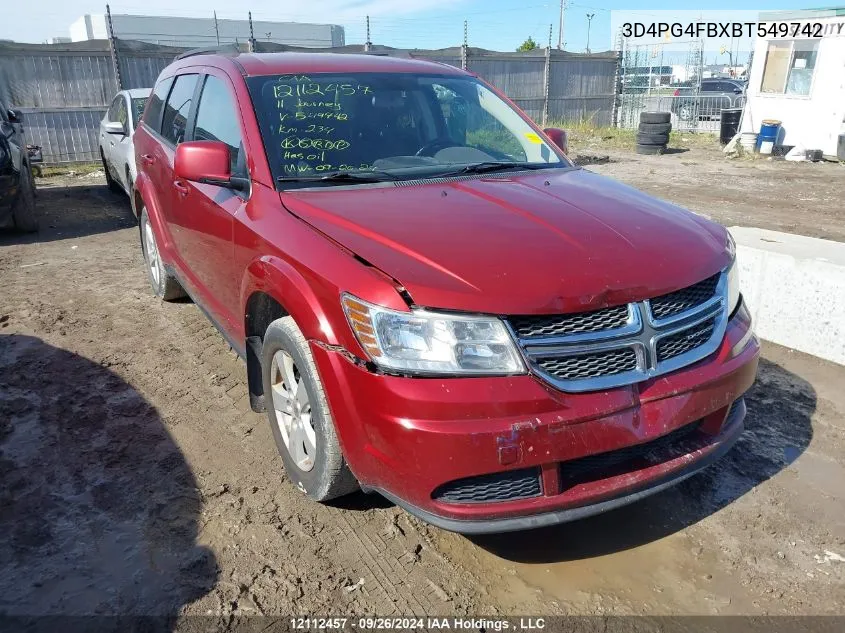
{"x": 23, "y": 209}
{"x": 311, "y": 454}
{"x": 650, "y": 150}
{"x": 655, "y": 117}
{"x": 164, "y": 284}
{"x": 686, "y": 112}
{"x": 111, "y": 182}
{"x": 652, "y": 139}
{"x": 655, "y": 128}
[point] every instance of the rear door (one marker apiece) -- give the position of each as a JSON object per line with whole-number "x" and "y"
{"x": 209, "y": 210}
{"x": 174, "y": 127}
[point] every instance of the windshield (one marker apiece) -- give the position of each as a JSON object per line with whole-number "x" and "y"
{"x": 137, "y": 110}
{"x": 390, "y": 125}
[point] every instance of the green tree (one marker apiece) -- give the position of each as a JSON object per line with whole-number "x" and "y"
{"x": 527, "y": 45}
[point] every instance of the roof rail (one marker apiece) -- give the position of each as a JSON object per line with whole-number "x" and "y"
{"x": 224, "y": 49}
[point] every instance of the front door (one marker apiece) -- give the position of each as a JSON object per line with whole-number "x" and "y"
{"x": 209, "y": 210}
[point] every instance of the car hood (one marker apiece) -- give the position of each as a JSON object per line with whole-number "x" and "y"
{"x": 548, "y": 242}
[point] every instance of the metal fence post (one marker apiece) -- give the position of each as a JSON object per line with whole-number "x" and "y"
{"x": 251, "y": 35}
{"x": 464, "y": 50}
{"x": 113, "y": 50}
{"x": 547, "y": 75}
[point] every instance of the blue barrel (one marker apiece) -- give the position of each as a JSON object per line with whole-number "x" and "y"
{"x": 768, "y": 136}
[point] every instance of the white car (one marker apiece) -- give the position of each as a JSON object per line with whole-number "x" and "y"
{"x": 117, "y": 149}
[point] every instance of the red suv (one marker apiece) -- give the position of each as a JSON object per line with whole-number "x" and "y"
{"x": 432, "y": 301}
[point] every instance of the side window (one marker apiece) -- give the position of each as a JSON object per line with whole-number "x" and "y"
{"x": 111, "y": 115}
{"x": 709, "y": 86}
{"x": 120, "y": 115}
{"x": 177, "y": 108}
{"x": 217, "y": 120}
{"x": 152, "y": 113}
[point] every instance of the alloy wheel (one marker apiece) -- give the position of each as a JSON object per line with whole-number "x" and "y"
{"x": 151, "y": 251}
{"x": 292, "y": 404}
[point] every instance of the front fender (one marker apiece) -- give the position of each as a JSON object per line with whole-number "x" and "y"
{"x": 277, "y": 278}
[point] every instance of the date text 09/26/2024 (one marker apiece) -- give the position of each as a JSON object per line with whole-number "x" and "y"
{"x": 370, "y": 623}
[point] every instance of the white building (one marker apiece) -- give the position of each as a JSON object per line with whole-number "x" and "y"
{"x": 800, "y": 79}
{"x": 198, "y": 32}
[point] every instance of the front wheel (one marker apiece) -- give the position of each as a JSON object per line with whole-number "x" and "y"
{"x": 299, "y": 415}
{"x": 113, "y": 185}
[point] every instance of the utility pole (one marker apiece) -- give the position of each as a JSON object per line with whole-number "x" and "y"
{"x": 547, "y": 73}
{"x": 590, "y": 17}
{"x": 216, "y": 30}
{"x": 560, "y": 42}
{"x": 368, "y": 44}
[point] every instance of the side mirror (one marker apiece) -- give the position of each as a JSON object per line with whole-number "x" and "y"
{"x": 15, "y": 116}
{"x": 737, "y": 91}
{"x": 558, "y": 137}
{"x": 115, "y": 127}
{"x": 206, "y": 162}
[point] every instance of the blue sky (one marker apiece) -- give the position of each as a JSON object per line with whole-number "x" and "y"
{"x": 494, "y": 24}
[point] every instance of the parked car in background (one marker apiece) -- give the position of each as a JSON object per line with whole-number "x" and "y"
{"x": 116, "y": 131}
{"x": 17, "y": 185}
{"x": 432, "y": 300}
{"x": 715, "y": 95}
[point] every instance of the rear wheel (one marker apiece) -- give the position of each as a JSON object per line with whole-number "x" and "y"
{"x": 23, "y": 210}
{"x": 164, "y": 283}
{"x": 299, "y": 415}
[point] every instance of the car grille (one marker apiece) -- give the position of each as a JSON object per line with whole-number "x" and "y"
{"x": 506, "y": 486}
{"x": 625, "y": 344}
{"x": 675, "y": 303}
{"x": 622, "y": 460}
{"x": 607, "y": 363}
{"x": 563, "y": 324}
{"x": 685, "y": 340}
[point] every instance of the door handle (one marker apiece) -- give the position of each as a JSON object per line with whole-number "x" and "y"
{"x": 148, "y": 159}
{"x": 181, "y": 187}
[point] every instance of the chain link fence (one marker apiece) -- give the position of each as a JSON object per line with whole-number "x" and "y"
{"x": 64, "y": 90}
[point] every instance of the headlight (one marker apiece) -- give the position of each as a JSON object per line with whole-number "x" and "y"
{"x": 432, "y": 343}
{"x": 733, "y": 277}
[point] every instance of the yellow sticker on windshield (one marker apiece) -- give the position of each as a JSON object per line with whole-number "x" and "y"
{"x": 534, "y": 138}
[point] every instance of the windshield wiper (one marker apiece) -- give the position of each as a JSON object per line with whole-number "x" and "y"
{"x": 491, "y": 166}
{"x": 341, "y": 176}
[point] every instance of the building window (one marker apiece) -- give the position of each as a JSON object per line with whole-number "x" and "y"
{"x": 789, "y": 67}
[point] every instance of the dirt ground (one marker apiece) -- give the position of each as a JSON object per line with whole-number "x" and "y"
{"x": 802, "y": 198}
{"x": 135, "y": 479}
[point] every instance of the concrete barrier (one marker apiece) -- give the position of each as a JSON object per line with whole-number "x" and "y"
{"x": 795, "y": 289}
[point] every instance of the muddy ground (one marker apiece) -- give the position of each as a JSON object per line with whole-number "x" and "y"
{"x": 135, "y": 479}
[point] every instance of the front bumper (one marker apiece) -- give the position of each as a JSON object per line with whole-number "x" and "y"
{"x": 407, "y": 437}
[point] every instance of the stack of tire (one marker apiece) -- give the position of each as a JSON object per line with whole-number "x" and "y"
{"x": 653, "y": 132}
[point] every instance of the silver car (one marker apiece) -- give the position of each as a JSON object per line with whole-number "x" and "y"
{"x": 116, "y": 131}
